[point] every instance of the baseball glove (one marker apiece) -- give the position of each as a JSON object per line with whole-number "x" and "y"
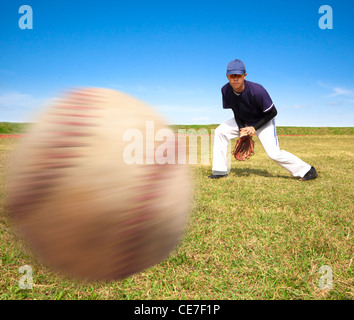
{"x": 244, "y": 148}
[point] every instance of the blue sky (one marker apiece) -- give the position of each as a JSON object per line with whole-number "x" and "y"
{"x": 173, "y": 55}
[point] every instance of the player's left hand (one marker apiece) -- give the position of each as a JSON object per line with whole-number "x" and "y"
{"x": 248, "y": 130}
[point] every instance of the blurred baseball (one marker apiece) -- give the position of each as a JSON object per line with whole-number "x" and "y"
{"x": 92, "y": 193}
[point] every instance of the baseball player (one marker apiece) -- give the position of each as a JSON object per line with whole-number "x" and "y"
{"x": 254, "y": 113}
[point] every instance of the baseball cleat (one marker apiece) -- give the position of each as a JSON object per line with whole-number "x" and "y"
{"x": 214, "y": 176}
{"x": 311, "y": 174}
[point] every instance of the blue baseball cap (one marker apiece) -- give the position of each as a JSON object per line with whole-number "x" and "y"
{"x": 236, "y": 67}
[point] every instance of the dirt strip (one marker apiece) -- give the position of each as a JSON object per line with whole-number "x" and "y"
{"x": 181, "y": 134}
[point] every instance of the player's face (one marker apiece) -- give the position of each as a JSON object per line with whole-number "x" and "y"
{"x": 237, "y": 81}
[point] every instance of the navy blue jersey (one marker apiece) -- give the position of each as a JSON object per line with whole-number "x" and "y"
{"x": 250, "y": 105}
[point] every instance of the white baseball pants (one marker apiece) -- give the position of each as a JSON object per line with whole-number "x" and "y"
{"x": 267, "y": 136}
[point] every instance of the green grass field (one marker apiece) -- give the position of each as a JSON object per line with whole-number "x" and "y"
{"x": 258, "y": 234}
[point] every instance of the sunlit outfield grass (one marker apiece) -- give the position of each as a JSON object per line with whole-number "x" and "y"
{"x": 258, "y": 234}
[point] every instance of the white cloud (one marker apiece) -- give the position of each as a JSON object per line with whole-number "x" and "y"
{"x": 19, "y": 107}
{"x": 295, "y": 106}
{"x": 157, "y": 89}
{"x": 18, "y": 100}
{"x": 341, "y": 92}
{"x": 335, "y": 103}
{"x": 336, "y": 91}
{"x": 200, "y": 119}
{"x": 185, "y": 109}
{"x": 186, "y": 114}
